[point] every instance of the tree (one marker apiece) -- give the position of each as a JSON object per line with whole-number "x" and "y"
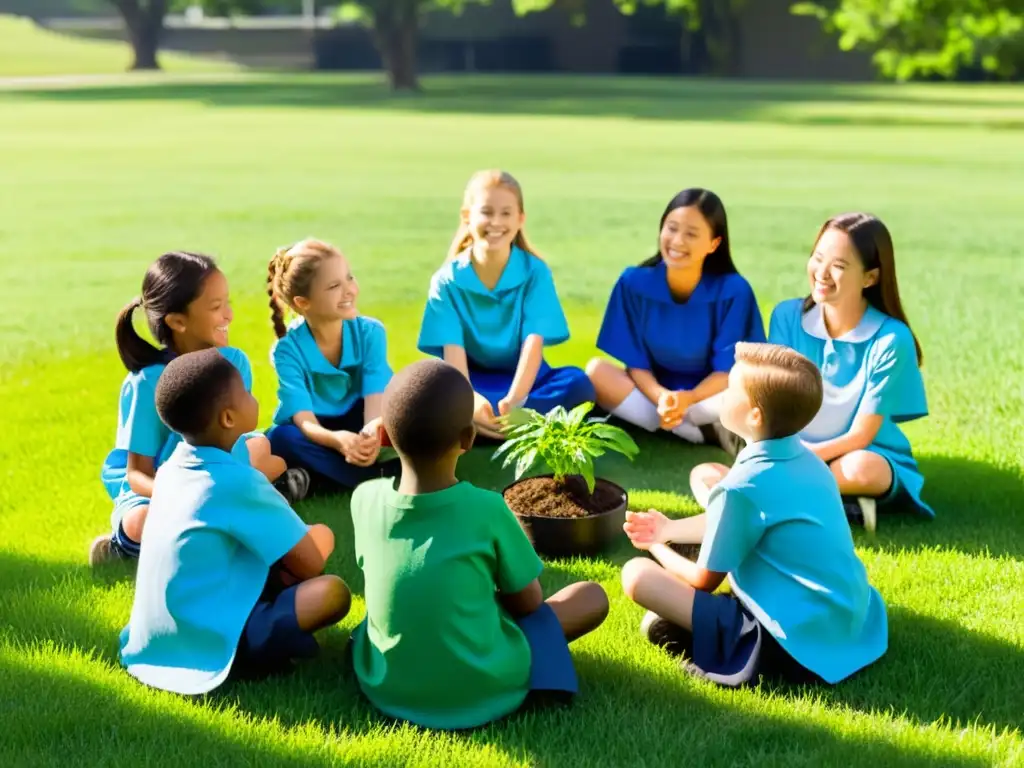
{"x": 922, "y": 38}
{"x": 144, "y": 20}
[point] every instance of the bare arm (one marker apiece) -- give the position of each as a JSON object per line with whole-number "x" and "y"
{"x": 860, "y": 436}
{"x": 687, "y": 570}
{"x": 305, "y": 560}
{"x": 710, "y": 386}
{"x": 524, "y": 602}
{"x": 647, "y": 384}
{"x": 373, "y": 405}
{"x": 140, "y": 474}
{"x": 315, "y": 431}
{"x": 530, "y": 358}
{"x": 686, "y": 530}
{"x": 455, "y": 356}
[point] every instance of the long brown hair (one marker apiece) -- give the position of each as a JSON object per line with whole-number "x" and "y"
{"x": 873, "y": 244}
{"x": 487, "y": 180}
{"x": 290, "y": 273}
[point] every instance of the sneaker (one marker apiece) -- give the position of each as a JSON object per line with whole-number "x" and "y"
{"x": 728, "y": 441}
{"x": 104, "y": 550}
{"x": 293, "y": 484}
{"x": 663, "y": 633}
{"x": 862, "y": 511}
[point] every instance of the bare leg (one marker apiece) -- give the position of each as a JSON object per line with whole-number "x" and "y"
{"x": 648, "y": 584}
{"x": 134, "y": 521}
{"x": 321, "y": 602}
{"x": 580, "y": 608}
{"x": 703, "y": 478}
{"x": 323, "y": 537}
{"x": 262, "y": 459}
{"x": 862, "y": 473}
{"x": 611, "y": 383}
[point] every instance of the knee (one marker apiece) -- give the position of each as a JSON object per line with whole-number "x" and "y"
{"x": 853, "y": 469}
{"x": 258, "y": 446}
{"x": 337, "y": 598}
{"x": 597, "y": 600}
{"x": 634, "y": 574}
{"x": 596, "y": 368}
{"x": 285, "y": 437}
{"x": 323, "y": 537}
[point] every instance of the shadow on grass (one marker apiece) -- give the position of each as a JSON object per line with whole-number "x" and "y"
{"x": 640, "y": 98}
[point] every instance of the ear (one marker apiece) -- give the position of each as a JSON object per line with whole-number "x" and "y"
{"x": 714, "y": 244}
{"x": 226, "y": 418}
{"x": 871, "y": 277}
{"x": 176, "y": 322}
{"x": 755, "y": 419}
{"x": 383, "y": 438}
{"x": 466, "y": 438}
{"x": 301, "y": 303}
{"x": 464, "y": 215}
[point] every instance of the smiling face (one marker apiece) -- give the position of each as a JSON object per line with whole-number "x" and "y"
{"x": 206, "y": 320}
{"x": 333, "y": 292}
{"x": 686, "y": 239}
{"x": 494, "y": 218}
{"x": 835, "y": 271}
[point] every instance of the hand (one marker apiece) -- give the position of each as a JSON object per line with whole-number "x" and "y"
{"x": 645, "y": 529}
{"x": 483, "y": 413}
{"x": 672, "y": 407}
{"x": 507, "y": 403}
{"x": 371, "y": 443}
{"x": 357, "y": 448}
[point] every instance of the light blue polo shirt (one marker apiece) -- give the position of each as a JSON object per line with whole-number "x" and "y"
{"x": 307, "y": 381}
{"x": 140, "y": 430}
{"x": 776, "y": 525}
{"x": 870, "y": 370}
{"x": 215, "y": 527}
{"x": 492, "y": 325}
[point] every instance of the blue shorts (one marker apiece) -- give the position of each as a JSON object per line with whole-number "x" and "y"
{"x": 271, "y": 638}
{"x": 731, "y": 648}
{"x": 551, "y": 667}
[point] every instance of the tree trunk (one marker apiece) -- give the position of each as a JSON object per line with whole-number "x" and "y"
{"x": 397, "y": 34}
{"x": 720, "y": 29}
{"x": 145, "y": 23}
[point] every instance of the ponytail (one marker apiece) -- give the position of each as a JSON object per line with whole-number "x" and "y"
{"x": 273, "y": 277}
{"x": 290, "y": 274}
{"x": 136, "y": 353}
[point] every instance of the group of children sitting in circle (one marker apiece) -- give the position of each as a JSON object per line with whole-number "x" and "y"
{"x": 457, "y": 632}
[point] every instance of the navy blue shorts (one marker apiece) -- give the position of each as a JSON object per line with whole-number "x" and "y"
{"x": 731, "y": 648}
{"x": 271, "y": 638}
{"x": 552, "y": 672}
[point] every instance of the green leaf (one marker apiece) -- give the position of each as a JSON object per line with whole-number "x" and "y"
{"x": 526, "y": 462}
{"x": 586, "y": 468}
{"x": 617, "y": 439}
{"x": 518, "y": 417}
{"x": 577, "y": 414}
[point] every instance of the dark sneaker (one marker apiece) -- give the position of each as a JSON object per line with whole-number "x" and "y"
{"x": 105, "y": 550}
{"x": 293, "y": 484}
{"x": 664, "y": 634}
{"x": 862, "y": 511}
{"x": 728, "y": 441}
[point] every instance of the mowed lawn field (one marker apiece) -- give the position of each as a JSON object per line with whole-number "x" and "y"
{"x": 98, "y": 181}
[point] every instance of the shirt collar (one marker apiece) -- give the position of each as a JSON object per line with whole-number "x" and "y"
{"x": 652, "y": 283}
{"x": 188, "y": 455}
{"x": 422, "y": 501}
{"x": 813, "y": 322}
{"x": 311, "y": 351}
{"x": 516, "y": 272}
{"x": 779, "y": 449}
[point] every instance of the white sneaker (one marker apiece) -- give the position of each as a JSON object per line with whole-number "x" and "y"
{"x": 868, "y": 508}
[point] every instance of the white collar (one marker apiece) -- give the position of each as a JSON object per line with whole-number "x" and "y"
{"x": 813, "y": 322}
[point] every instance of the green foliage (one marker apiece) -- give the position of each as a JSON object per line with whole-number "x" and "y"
{"x": 913, "y": 38}
{"x": 563, "y": 440}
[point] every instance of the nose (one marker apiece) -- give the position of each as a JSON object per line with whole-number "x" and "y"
{"x": 229, "y": 314}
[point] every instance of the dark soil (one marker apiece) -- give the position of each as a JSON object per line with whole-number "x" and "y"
{"x": 543, "y": 497}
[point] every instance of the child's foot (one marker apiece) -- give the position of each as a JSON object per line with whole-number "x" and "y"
{"x": 862, "y": 510}
{"x": 104, "y": 550}
{"x": 664, "y": 634}
{"x": 293, "y": 484}
{"x": 727, "y": 440}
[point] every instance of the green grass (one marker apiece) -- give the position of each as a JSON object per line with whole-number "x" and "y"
{"x": 98, "y": 181}
{"x": 27, "y": 50}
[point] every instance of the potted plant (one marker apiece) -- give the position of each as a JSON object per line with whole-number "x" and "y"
{"x": 569, "y": 511}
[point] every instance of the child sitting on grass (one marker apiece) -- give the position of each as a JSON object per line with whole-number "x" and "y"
{"x": 457, "y": 632}
{"x": 801, "y": 607}
{"x": 215, "y": 530}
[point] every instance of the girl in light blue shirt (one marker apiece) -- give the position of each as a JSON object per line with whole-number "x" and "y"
{"x": 852, "y": 325}
{"x": 185, "y": 298}
{"x": 331, "y": 365}
{"x": 492, "y": 308}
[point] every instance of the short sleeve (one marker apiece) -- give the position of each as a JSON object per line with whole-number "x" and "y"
{"x": 441, "y": 325}
{"x": 895, "y": 387}
{"x": 292, "y": 394}
{"x": 621, "y": 330}
{"x": 140, "y": 430}
{"x": 240, "y": 360}
{"x": 738, "y": 318}
{"x": 518, "y": 563}
{"x": 782, "y": 323}
{"x": 734, "y": 526}
{"x": 376, "y": 372}
{"x": 542, "y": 311}
{"x": 265, "y": 524}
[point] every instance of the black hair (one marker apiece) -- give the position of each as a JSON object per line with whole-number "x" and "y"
{"x": 172, "y": 282}
{"x": 193, "y": 388}
{"x": 719, "y": 261}
{"x": 427, "y": 406}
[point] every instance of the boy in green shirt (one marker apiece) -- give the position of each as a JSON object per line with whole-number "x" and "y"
{"x": 457, "y": 632}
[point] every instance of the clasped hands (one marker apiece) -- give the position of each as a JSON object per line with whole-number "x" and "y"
{"x": 672, "y": 407}
{"x": 645, "y": 529}
{"x": 359, "y": 448}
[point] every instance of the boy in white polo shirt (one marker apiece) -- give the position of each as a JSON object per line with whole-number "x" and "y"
{"x": 801, "y": 607}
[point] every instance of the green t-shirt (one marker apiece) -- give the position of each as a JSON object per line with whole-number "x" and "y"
{"x": 436, "y": 648}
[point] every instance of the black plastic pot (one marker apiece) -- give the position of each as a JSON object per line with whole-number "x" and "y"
{"x": 569, "y": 536}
